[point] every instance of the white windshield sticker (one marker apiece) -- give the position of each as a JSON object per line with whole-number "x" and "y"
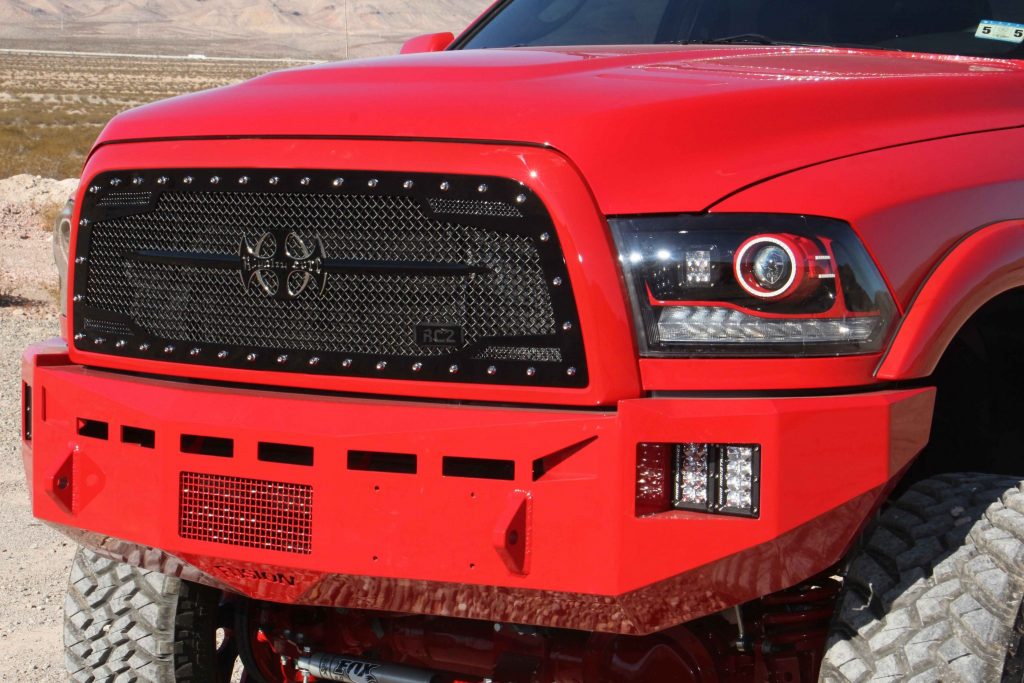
{"x": 1001, "y": 30}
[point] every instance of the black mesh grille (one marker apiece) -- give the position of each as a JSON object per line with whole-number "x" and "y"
{"x": 364, "y": 267}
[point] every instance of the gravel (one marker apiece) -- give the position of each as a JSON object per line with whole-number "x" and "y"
{"x": 34, "y": 559}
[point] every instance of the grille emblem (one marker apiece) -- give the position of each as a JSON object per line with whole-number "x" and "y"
{"x": 283, "y": 265}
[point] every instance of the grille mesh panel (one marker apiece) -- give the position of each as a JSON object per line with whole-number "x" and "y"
{"x": 251, "y": 513}
{"x": 357, "y": 313}
{"x": 389, "y": 275}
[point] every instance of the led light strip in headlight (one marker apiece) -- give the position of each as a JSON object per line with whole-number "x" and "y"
{"x": 752, "y": 285}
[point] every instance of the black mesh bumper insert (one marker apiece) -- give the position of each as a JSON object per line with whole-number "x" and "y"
{"x": 402, "y": 276}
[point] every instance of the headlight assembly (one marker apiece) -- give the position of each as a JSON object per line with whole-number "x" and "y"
{"x": 752, "y": 285}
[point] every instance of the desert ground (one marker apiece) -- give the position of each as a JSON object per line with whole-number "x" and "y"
{"x": 33, "y": 558}
{"x": 51, "y": 109}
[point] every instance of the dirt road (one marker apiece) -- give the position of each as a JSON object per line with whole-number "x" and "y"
{"x": 34, "y": 559}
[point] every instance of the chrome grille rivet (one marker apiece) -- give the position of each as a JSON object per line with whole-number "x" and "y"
{"x": 98, "y": 341}
{"x": 282, "y": 359}
{"x": 187, "y": 180}
{"x": 79, "y": 337}
{"x": 445, "y": 186}
{"x": 143, "y": 347}
{"x": 571, "y": 372}
{"x": 545, "y": 237}
{"x": 483, "y": 188}
{"x": 347, "y": 363}
{"x": 373, "y": 182}
{"x": 531, "y": 372}
{"x": 222, "y": 354}
{"x": 83, "y": 222}
{"x": 244, "y": 180}
{"x": 121, "y": 343}
{"x": 521, "y": 199}
{"x": 338, "y": 182}
{"x": 417, "y": 367}
{"x": 408, "y": 184}
{"x": 305, "y": 181}
{"x": 492, "y": 371}
{"x": 137, "y": 180}
{"x": 567, "y": 326}
{"x": 95, "y": 189}
{"x": 251, "y": 357}
{"x": 557, "y": 282}
{"x": 195, "y": 352}
{"x": 163, "y": 180}
{"x": 214, "y": 179}
{"x": 79, "y": 260}
{"x": 78, "y": 298}
{"x": 382, "y": 365}
{"x": 314, "y": 361}
{"x": 114, "y": 182}
{"x": 169, "y": 348}
{"x": 274, "y": 180}
{"x": 453, "y": 370}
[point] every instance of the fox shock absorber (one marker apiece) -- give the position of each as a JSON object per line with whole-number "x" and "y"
{"x": 328, "y": 667}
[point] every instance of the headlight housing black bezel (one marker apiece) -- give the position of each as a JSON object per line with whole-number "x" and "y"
{"x": 839, "y": 306}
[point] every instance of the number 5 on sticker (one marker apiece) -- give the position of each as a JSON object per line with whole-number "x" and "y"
{"x": 1001, "y": 30}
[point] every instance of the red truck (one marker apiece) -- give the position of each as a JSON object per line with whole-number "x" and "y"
{"x": 611, "y": 341}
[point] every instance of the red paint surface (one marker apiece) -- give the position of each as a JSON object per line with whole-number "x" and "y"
{"x": 910, "y": 205}
{"x": 888, "y": 142}
{"x": 426, "y": 543}
{"x": 986, "y": 264}
{"x": 653, "y": 129}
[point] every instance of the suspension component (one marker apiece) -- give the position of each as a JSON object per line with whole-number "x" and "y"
{"x": 330, "y": 667}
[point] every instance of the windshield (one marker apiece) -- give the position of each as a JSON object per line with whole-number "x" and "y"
{"x": 982, "y": 28}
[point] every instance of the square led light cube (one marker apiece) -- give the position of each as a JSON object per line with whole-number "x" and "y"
{"x": 698, "y": 267}
{"x": 693, "y": 466}
{"x": 739, "y": 480}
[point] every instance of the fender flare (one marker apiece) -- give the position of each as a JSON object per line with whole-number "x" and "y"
{"x": 982, "y": 265}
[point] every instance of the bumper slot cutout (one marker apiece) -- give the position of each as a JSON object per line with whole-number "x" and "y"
{"x": 137, "y": 436}
{"x": 479, "y": 468}
{"x": 392, "y": 463}
{"x": 218, "y": 447}
{"x": 26, "y": 412}
{"x": 94, "y": 429}
{"x": 285, "y": 454}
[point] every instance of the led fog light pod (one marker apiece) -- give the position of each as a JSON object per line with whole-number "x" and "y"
{"x": 692, "y": 480}
{"x": 739, "y": 479}
{"x": 698, "y": 477}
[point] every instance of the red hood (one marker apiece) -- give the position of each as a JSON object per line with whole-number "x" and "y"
{"x": 652, "y": 129}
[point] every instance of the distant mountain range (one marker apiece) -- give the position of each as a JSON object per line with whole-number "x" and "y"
{"x": 316, "y": 29}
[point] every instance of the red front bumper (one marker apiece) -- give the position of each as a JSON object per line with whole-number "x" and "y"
{"x": 428, "y": 543}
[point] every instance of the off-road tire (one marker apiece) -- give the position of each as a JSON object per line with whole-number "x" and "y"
{"x": 127, "y": 625}
{"x": 934, "y": 592}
